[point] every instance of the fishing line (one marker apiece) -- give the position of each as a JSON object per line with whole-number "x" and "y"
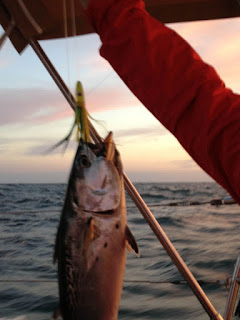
{"x": 65, "y": 30}
{"x": 225, "y": 282}
{"x": 100, "y": 83}
{"x": 70, "y": 33}
{"x": 215, "y": 202}
{"x": 74, "y": 34}
{"x": 73, "y": 19}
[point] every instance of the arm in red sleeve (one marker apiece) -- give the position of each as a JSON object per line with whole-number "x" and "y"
{"x": 185, "y": 94}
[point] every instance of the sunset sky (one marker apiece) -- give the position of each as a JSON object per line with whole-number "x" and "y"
{"x": 34, "y": 115}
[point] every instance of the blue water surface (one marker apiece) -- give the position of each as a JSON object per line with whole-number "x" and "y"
{"x": 206, "y": 236}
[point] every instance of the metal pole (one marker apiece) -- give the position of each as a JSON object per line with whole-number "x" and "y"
{"x": 147, "y": 214}
{"x": 233, "y": 292}
{"x": 8, "y": 32}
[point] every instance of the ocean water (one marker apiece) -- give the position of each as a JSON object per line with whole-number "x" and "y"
{"x": 207, "y": 237}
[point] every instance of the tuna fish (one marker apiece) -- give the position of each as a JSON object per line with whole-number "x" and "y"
{"x": 93, "y": 235}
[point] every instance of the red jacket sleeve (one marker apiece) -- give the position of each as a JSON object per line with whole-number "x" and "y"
{"x": 185, "y": 94}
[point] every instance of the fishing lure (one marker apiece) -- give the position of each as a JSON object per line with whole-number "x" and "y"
{"x": 81, "y": 122}
{"x": 81, "y": 115}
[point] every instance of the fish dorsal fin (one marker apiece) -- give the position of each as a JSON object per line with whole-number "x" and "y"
{"x": 110, "y": 147}
{"x": 131, "y": 242}
{"x": 57, "y": 314}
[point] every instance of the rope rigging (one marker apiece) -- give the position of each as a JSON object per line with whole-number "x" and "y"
{"x": 214, "y": 202}
{"x": 224, "y": 282}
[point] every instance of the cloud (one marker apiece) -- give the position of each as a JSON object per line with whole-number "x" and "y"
{"x": 4, "y": 63}
{"x": 110, "y": 98}
{"x": 47, "y": 148}
{"x": 96, "y": 62}
{"x": 31, "y": 105}
{"x": 217, "y": 42}
{"x": 214, "y": 40}
{"x": 35, "y": 146}
{"x": 148, "y": 175}
{"x": 187, "y": 164}
{"x": 138, "y": 132}
{"x": 40, "y": 105}
{"x": 44, "y": 146}
{"x": 4, "y": 148}
{"x": 208, "y": 33}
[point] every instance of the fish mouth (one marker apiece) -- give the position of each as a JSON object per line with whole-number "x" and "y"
{"x": 102, "y": 213}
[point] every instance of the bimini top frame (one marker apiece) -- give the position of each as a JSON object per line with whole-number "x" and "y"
{"x": 44, "y": 19}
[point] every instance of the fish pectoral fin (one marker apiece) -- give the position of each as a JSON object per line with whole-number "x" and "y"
{"x": 56, "y": 248}
{"x": 57, "y": 314}
{"x": 90, "y": 236}
{"x": 131, "y": 242}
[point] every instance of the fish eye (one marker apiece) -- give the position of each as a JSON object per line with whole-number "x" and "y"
{"x": 84, "y": 162}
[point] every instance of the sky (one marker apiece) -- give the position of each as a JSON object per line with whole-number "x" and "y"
{"x": 34, "y": 115}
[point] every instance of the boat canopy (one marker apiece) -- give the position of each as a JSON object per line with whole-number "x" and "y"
{"x": 45, "y": 19}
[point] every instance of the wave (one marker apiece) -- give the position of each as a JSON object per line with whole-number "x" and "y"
{"x": 206, "y": 236}
{"x": 16, "y": 318}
